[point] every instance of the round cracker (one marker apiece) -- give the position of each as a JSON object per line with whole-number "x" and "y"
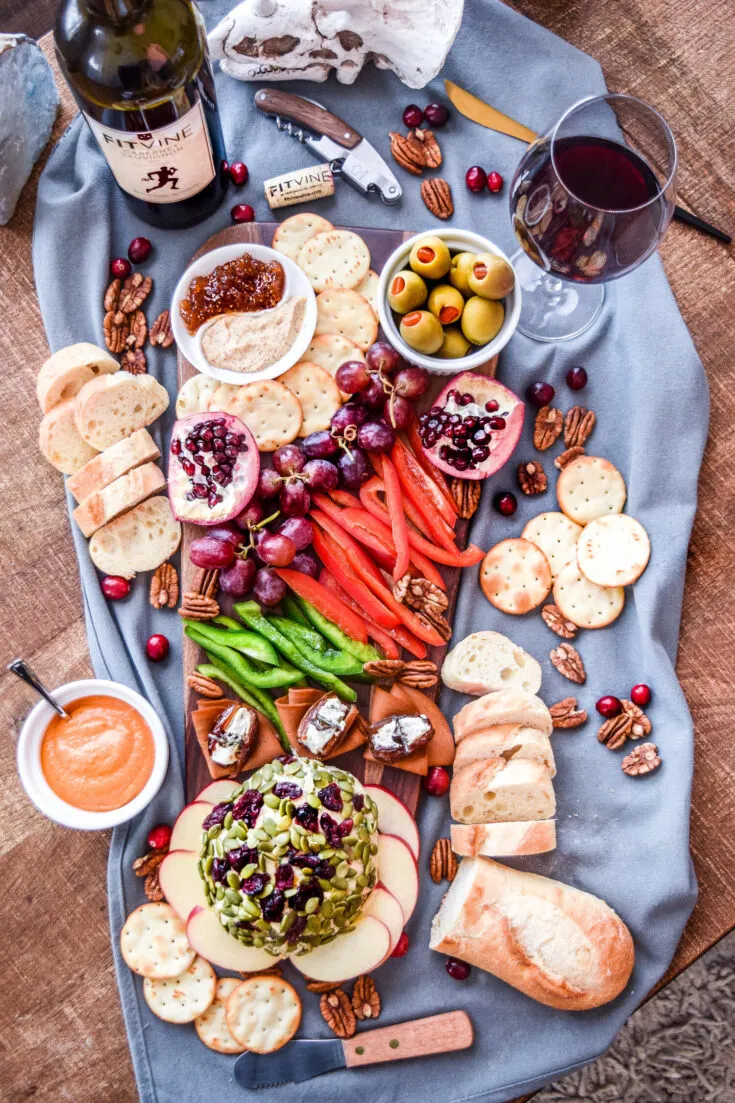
{"x": 584, "y": 603}
{"x": 337, "y": 258}
{"x": 263, "y": 1013}
{"x": 294, "y": 232}
{"x": 212, "y": 1025}
{"x": 348, "y": 314}
{"x": 330, "y": 351}
{"x": 270, "y": 410}
{"x": 368, "y": 288}
{"x": 153, "y": 942}
{"x": 318, "y": 395}
{"x": 184, "y": 998}
{"x": 221, "y": 397}
{"x": 613, "y": 550}
{"x": 515, "y": 576}
{"x": 194, "y": 395}
{"x": 556, "y": 536}
{"x": 588, "y": 488}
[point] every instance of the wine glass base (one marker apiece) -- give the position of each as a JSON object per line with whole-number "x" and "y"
{"x": 552, "y": 309}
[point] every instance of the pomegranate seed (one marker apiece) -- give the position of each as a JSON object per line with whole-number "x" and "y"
{"x": 242, "y": 212}
{"x": 576, "y": 379}
{"x": 401, "y": 946}
{"x": 239, "y": 173}
{"x": 640, "y": 695}
{"x": 458, "y": 970}
{"x": 436, "y": 781}
{"x": 497, "y": 423}
{"x": 475, "y": 178}
{"x": 114, "y": 588}
{"x": 505, "y": 502}
{"x": 492, "y": 405}
{"x": 139, "y": 250}
{"x": 120, "y": 268}
{"x": 157, "y": 647}
{"x": 436, "y": 115}
{"x": 494, "y": 182}
{"x": 413, "y": 116}
{"x": 609, "y": 706}
{"x": 159, "y": 837}
{"x": 540, "y": 394}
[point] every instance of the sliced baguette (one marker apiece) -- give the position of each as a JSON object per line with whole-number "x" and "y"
{"x": 504, "y": 707}
{"x": 140, "y": 540}
{"x": 64, "y": 374}
{"x": 560, "y": 946}
{"x": 109, "y": 465}
{"x": 508, "y": 741}
{"x": 500, "y": 840}
{"x": 103, "y": 506}
{"x": 111, "y": 407}
{"x": 496, "y": 791}
{"x": 484, "y": 662}
{"x": 59, "y": 439}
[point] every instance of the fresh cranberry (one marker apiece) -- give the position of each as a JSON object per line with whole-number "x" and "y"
{"x": 139, "y": 250}
{"x": 640, "y": 695}
{"x": 413, "y": 115}
{"x": 475, "y": 178}
{"x": 436, "y": 115}
{"x": 505, "y": 502}
{"x": 120, "y": 268}
{"x": 436, "y": 781}
{"x": 224, "y": 168}
{"x": 159, "y": 837}
{"x": 494, "y": 182}
{"x": 239, "y": 173}
{"x": 458, "y": 970}
{"x": 576, "y": 378}
{"x": 401, "y": 946}
{"x": 609, "y": 706}
{"x": 114, "y": 588}
{"x": 540, "y": 394}
{"x": 242, "y": 212}
{"x": 157, "y": 647}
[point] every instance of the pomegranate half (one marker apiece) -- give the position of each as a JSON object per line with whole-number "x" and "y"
{"x": 473, "y": 426}
{"x": 213, "y": 468}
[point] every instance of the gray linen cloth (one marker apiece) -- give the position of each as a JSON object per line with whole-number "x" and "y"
{"x": 624, "y": 839}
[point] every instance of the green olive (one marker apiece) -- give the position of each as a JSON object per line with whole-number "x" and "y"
{"x": 446, "y": 302}
{"x": 407, "y": 292}
{"x": 430, "y": 258}
{"x": 454, "y": 345}
{"x": 491, "y": 277}
{"x": 460, "y": 270}
{"x": 482, "y": 319}
{"x": 422, "y": 331}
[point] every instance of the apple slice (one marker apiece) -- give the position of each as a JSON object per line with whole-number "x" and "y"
{"x": 211, "y": 941}
{"x": 180, "y": 882}
{"x": 394, "y": 818}
{"x": 217, "y": 791}
{"x": 349, "y": 955}
{"x": 398, "y": 871}
{"x": 187, "y": 832}
{"x": 383, "y": 906}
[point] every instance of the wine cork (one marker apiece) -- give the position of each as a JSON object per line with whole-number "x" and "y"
{"x": 300, "y": 186}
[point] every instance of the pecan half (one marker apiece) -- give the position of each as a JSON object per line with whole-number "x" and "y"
{"x": 426, "y": 599}
{"x": 134, "y": 292}
{"x": 443, "y": 864}
{"x": 614, "y": 732}
{"x": 640, "y": 725}
{"x": 149, "y": 867}
{"x": 554, "y": 619}
{"x": 532, "y": 477}
{"x": 419, "y": 673}
{"x": 547, "y": 427}
{"x": 161, "y": 333}
{"x": 567, "y": 457}
{"x": 437, "y": 196}
{"x": 568, "y": 662}
{"x": 365, "y": 998}
{"x": 198, "y": 607}
{"x": 205, "y": 581}
{"x": 565, "y": 714}
{"x": 112, "y": 296}
{"x": 408, "y": 152}
{"x": 138, "y": 330}
{"x": 466, "y": 494}
{"x": 116, "y": 330}
{"x": 321, "y": 986}
{"x": 643, "y": 759}
{"x": 274, "y": 970}
{"x": 204, "y": 686}
{"x": 578, "y": 424}
{"x": 164, "y": 591}
{"x": 134, "y": 361}
{"x": 336, "y": 1009}
{"x": 431, "y": 148}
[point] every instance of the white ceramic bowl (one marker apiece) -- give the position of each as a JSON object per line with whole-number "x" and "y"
{"x": 296, "y": 285}
{"x": 457, "y": 241}
{"x": 29, "y": 757}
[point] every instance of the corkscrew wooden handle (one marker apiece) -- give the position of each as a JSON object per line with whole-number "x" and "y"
{"x": 271, "y": 101}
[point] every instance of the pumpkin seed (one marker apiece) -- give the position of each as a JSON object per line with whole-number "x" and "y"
{"x": 313, "y": 923}
{"x": 233, "y": 880}
{"x": 277, "y": 767}
{"x": 313, "y": 800}
{"x": 241, "y": 830}
{"x": 232, "y": 897}
{"x": 339, "y": 882}
{"x": 229, "y": 910}
{"x": 349, "y": 840}
{"x": 270, "y": 828}
{"x": 326, "y": 885}
{"x": 288, "y": 921}
{"x": 342, "y": 869}
{"x": 340, "y": 921}
{"x": 361, "y": 880}
{"x": 311, "y": 905}
{"x": 209, "y": 862}
{"x": 347, "y": 809}
{"x": 373, "y": 848}
{"x": 291, "y": 767}
{"x": 327, "y": 852}
{"x": 271, "y": 800}
{"x": 327, "y": 909}
{"x": 294, "y": 836}
{"x": 248, "y": 870}
{"x": 267, "y": 846}
{"x": 282, "y": 839}
{"x": 338, "y": 895}
{"x": 214, "y": 831}
{"x": 316, "y": 842}
{"x": 266, "y": 772}
{"x": 248, "y": 905}
{"x": 357, "y": 818}
{"x": 259, "y": 942}
{"x": 219, "y": 892}
{"x": 262, "y": 925}
{"x": 290, "y": 892}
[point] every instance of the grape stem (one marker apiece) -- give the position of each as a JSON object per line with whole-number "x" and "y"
{"x": 244, "y": 550}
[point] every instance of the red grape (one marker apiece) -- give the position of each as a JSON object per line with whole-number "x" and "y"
{"x": 269, "y": 483}
{"x": 298, "y": 530}
{"x": 376, "y": 436}
{"x": 352, "y": 376}
{"x": 320, "y": 445}
{"x": 253, "y": 514}
{"x": 288, "y": 459}
{"x": 354, "y": 468}
{"x": 212, "y": 554}
{"x": 411, "y": 382}
{"x": 374, "y": 393}
{"x": 275, "y": 549}
{"x": 321, "y": 475}
{"x": 269, "y": 589}
{"x": 397, "y": 412}
{"x": 383, "y": 357}
{"x": 306, "y": 563}
{"x": 227, "y": 531}
{"x": 294, "y": 499}
{"x": 350, "y": 415}
{"x": 237, "y": 580}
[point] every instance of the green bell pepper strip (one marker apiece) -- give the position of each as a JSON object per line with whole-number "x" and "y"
{"x": 249, "y": 612}
{"x": 365, "y": 652}
{"x": 241, "y": 667}
{"x": 313, "y": 640}
{"x": 291, "y": 609}
{"x": 256, "y": 698}
{"x": 334, "y": 662}
{"x": 227, "y": 622}
{"x": 251, "y": 644}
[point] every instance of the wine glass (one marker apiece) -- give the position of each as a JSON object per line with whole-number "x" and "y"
{"x": 590, "y": 200}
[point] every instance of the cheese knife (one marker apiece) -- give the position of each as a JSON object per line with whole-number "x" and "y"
{"x": 304, "y": 1058}
{"x": 480, "y": 112}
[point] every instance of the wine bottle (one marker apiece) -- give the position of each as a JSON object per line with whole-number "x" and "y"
{"x": 140, "y": 72}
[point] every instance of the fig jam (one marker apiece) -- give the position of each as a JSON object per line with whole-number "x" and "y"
{"x": 239, "y": 286}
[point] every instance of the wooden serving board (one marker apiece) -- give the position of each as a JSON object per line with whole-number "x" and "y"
{"x": 406, "y": 786}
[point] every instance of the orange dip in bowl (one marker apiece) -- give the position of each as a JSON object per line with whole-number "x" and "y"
{"x": 101, "y": 757}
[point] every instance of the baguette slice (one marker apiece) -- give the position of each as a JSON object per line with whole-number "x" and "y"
{"x": 508, "y": 741}
{"x": 484, "y": 662}
{"x": 499, "y": 840}
{"x": 560, "y": 946}
{"x": 140, "y": 540}
{"x": 503, "y": 707}
{"x": 496, "y": 791}
{"x": 103, "y": 506}
{"x": 59, "y": 439}
{"x": 64, "y": 374}
{"x": 109, "y": 465}
{"x": 111, "y": 407}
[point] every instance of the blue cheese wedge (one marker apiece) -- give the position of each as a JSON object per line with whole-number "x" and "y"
{"x": 325, "y": 725}
{"x": 232, "y": 739}
{"x": 396, "y": 737}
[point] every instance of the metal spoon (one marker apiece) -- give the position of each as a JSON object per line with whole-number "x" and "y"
{"x": 21, "y": 668}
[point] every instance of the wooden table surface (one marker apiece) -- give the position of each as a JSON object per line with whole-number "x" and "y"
{"x": 60, "y": 1022}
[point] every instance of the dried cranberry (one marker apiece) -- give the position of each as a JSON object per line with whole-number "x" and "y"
{"x": 303, "y": 861}
{"x": 284, "y": 758}
{"x": 243, "y": 856}
{"x": 220, "y": 869}
{"x": 296, "y": 930}
{"x": 307, "y": 817}
{"x": 287, "y": 789}
{"x": 247, "y": 807}
{"x": 216, "y": 816}
{"x": 284, "y": 876}
{"x": 330, "y": 830}
{"x": 358, "y": 802}
{"x": 273, "y": 906}
{"x": 324, "y": 870}
{"x": 308, "y": 891}
{"x": 255, "y": 884}
{"x": 331, "y": 797}
{"x": 345, "y": 828}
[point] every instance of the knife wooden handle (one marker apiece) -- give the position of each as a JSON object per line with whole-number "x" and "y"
{"x": 272, "y": 101}
{"x": 418, "y": 1038}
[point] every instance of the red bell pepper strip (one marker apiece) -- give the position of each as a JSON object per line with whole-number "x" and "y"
{"x": 387, "y": 642}
{"x": 452, "y": 558}
{"x": 411, "y": 470}
{"x": 344, "y": 498}
{"x": 394, "y": 502}
{"x": 330, "y": 552}
{"x": 433, "y": 472}
{"x": 383, "y": 550}
{"x": 325, "y": 603}
{"x": 365, "y": 527}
